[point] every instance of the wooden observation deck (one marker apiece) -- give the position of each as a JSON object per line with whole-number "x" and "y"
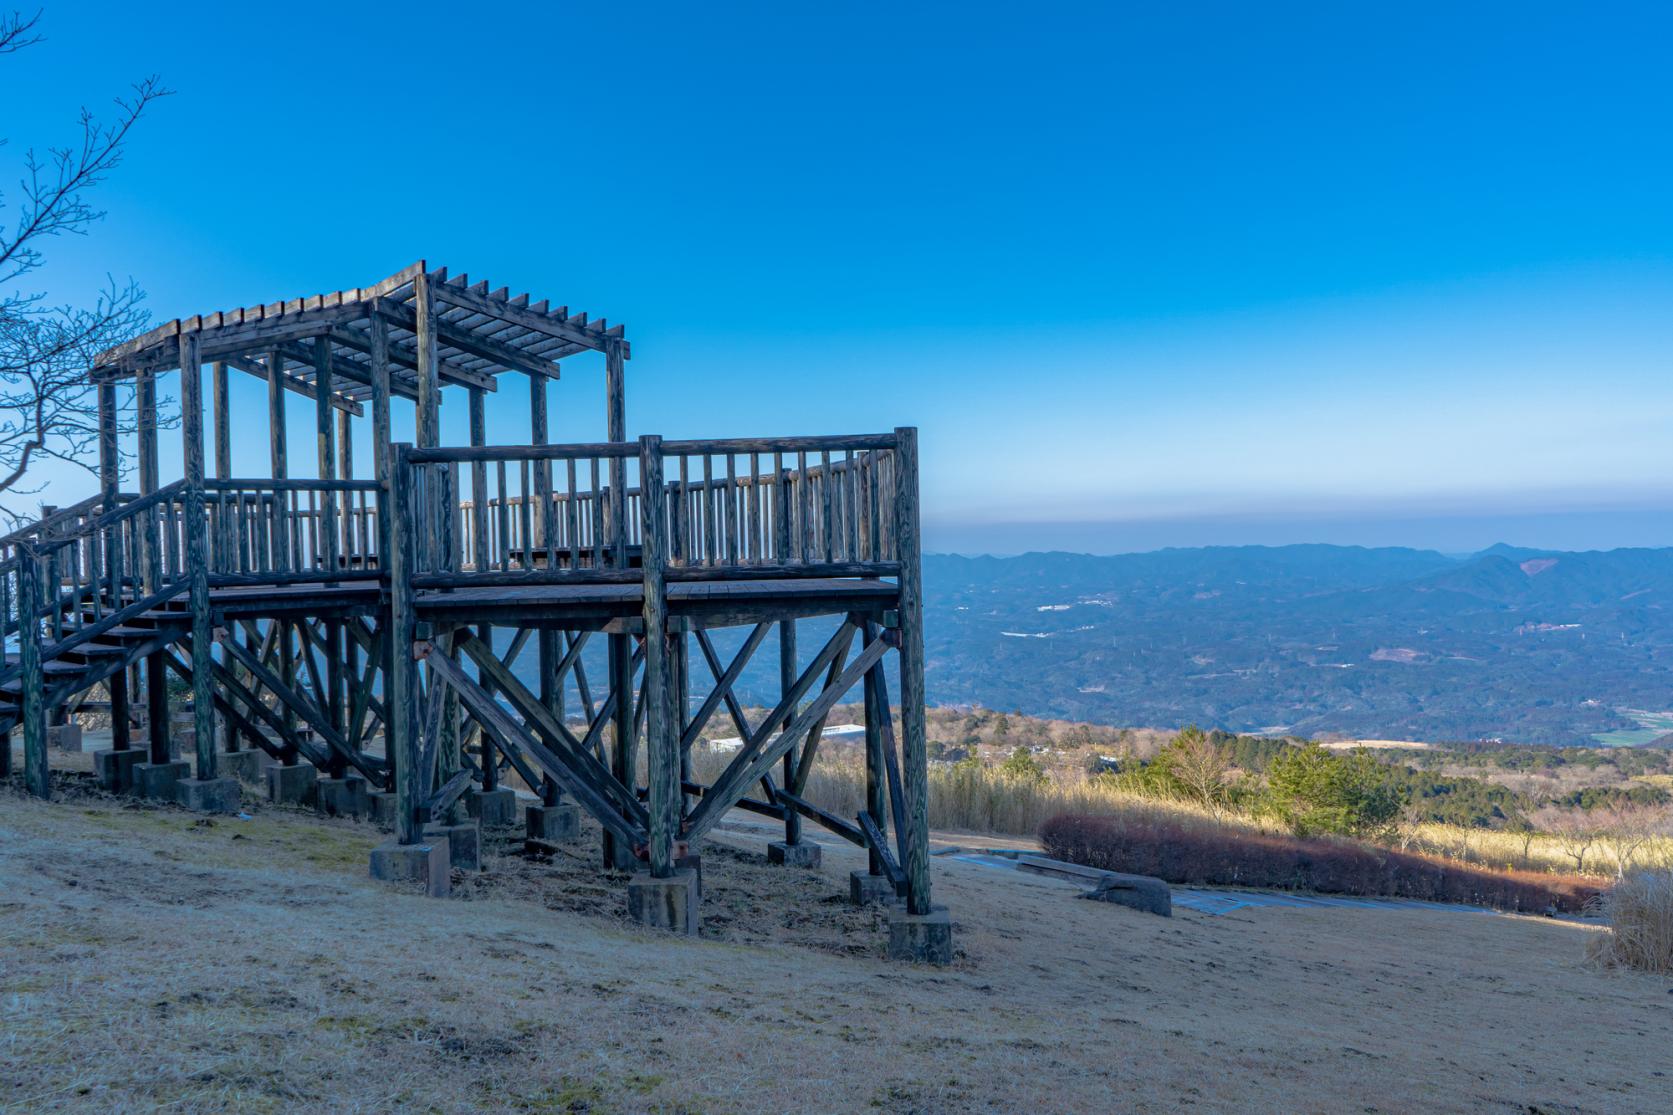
{"x": 361, "y": 632}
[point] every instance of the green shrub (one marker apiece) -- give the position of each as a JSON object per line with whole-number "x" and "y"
{"x": 1317, "y": 791}
{"x": 1022, "y": 765}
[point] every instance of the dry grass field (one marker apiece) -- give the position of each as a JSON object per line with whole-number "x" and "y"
{"x": 156, "y": 961}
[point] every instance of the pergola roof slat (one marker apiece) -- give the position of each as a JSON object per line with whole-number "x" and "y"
{"x": 481, "y": 332}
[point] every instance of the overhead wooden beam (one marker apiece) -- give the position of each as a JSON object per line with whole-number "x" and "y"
{"x": 563, "y": 329}
{"x": 289, "y": 382}
{"x": 507, "y": 356}
{"x": 407, "y": 357}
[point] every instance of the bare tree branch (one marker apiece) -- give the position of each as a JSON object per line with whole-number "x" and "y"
{"x": 47, "y": 403}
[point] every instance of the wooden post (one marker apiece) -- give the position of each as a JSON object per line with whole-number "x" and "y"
{"x": 156, "y": 667}
{"x": 36, "y": 777}
{"x": 276, "y": 438}
{"x": 277, "y": 429}
{"x": 197, "y": 556}
{"x": 661, "y": 739}
{"x": 223, "y": 421}
{"x": 383, "y": 472}
{"x": 620, "y": 645}
{"x": 429, "y": 384}
{"x": 546, "y": 646}
{"x": 787, "y": 674}
{"x": 346, "y": 546}
{"x": 479, "y": 558}
{"x": 679, "y": 671}
{"x": 400, "y": 733}
{"x": 875, "y": 712}
{"x": 221, "y": 404}
{"x": 914, "y": 760}
{"x": 110, "y": 477}
{"x": 330, "y": 538}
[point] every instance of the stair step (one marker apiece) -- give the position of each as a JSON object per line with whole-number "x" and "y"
{"x": 127, "y": 634}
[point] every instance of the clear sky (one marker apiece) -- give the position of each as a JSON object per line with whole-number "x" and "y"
{"x": 1143, "y": 275}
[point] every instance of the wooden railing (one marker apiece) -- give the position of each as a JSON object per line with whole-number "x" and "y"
{"x": 282, "y": 531}
{"x": 65, "y": 585}
{"x": 756, "y": 507}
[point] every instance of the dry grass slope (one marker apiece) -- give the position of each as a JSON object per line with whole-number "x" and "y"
{"x": 155, "y": 962}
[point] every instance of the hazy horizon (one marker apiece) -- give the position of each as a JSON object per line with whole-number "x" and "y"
{"x": 1447, "y": 534}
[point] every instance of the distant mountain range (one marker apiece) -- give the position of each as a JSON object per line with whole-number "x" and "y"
{"x": 1525, "y": 645}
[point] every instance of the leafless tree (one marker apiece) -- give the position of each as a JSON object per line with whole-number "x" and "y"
{"x": 1574, "y": 830}
{"x": 1631, "y": 827}
{"x": 47, "y": 405}
{"x": 1202, "y": 769}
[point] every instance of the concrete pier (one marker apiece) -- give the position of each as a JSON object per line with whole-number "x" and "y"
{"x": 291, "y": 785}
{"x": 803, "y": 853}
{"x": 669, "y": 903}
{"x": 427, "y": 863}
{"x": 921, "y": 938}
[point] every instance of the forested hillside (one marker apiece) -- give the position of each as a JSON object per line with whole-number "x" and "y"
{"x": 1524, "y": 645}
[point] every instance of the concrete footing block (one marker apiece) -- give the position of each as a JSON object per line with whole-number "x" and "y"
{"x": 341, "y": 797}
{"x": 65, "y": 737}
{"x": 866, "y": 889}
{"x": 209, "y": 795}
{"x": 669, "y": 903}
{"x": 921, "y": 938}
{"x": 115, "y": 769}
{"x": 244, "y": 765}
{"x": 156, "y": 781}
{"x": 426, "y": 863}
{"x": 380, "y": 808}
{"x": 553, "y": 823}
{"x": 493, "y": 808}
{"x": 803, "y": 853}
{"x": 291, "y": 785}
{"x": 464, "y": 844}
{"x": 693, "y": 863}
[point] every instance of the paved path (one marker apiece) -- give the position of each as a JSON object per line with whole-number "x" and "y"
{"x": 1215, "y": 901}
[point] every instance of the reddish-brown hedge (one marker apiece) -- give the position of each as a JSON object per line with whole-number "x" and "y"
{"x": 1203, "y": 854}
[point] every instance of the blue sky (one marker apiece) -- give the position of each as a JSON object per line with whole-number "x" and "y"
{"x": 1142, "y": 275}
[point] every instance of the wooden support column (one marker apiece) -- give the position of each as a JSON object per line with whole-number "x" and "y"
{"x": 110, "y": 479}
{"x": 151, "y": 577}
{"x": 36, "y": 777}
{"x": 429, "y": 362}
{"x": 223, "y": 421}
{"x": 875, "y": 712}
{"x": 347, "y": 544}
{"x": 277, "y": 430}
{"x": 400, "y": 732}
{"x": 221, "y": 404}
{"x": 479, "y": 558}
{"x": 914, "y": 759}
{"x": 382, "y": 471}
{"x": 280, "y": 465}
{"x": 197, "y": 555}
{"x": 546, "y": 520}
{"x": 330, "y": 538}
{"x": 679, "y": 676}
{"x": 623, "y": 756}
{"x": 662, "y": 739}
{"x": 787, "y": 675}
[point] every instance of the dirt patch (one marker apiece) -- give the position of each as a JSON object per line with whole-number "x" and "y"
{"x": 746, "y": 900}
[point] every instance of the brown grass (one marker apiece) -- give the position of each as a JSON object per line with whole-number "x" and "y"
{"x": 155, "y": 963}
{"x": 1639, "y": 912}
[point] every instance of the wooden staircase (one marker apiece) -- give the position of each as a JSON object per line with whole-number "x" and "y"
{"x": 85, "y": 664}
